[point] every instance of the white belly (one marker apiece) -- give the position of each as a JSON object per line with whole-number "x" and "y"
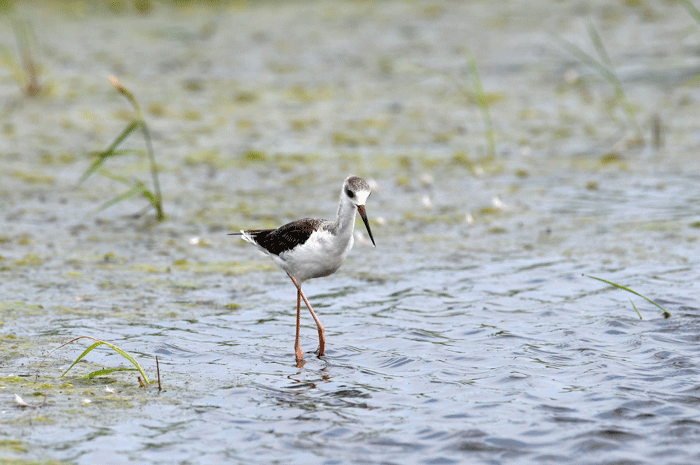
{"x": 320, "y": 256}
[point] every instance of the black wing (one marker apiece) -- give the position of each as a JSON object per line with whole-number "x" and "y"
{"x": 285, "y": 237}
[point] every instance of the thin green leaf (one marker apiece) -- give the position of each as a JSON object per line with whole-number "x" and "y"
{"x": 157, "y": 201}
{"x": 475, "y": 91}
{"x": 635, "y": 309}
{"x": 135, "y": 190}
{"x": 96, "y": 164}
{"x": 691, "y": 9}
{"x": 612, "y": 78}
{"x": 129, "y": 358}
{"x": 87, "y": 351}
{"x": 97, "y": 344}
{"x": 582, "y": 56}
{"x": 155, "y": 196}
{"x": 483, "y": 105}
{"x": 149, "y": 195}
{"x": 598, "y": 44}
{"x": 119, "y": 178}
{"x": 605, "y": 68}
{"x": 124, "y": 134}
{"x": 107, "y": 371}
{"x": 10, "y": 63}
{"x": 115, "y": 153}
{"x": 667, "y": 314}
{"x": 111, "y": 151}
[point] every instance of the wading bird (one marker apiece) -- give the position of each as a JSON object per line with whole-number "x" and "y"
{"x": 313, "y": 248}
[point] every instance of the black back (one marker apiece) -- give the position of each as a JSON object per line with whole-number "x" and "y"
{"x": 285, "y": 237}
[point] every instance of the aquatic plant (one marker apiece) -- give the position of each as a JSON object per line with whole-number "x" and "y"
{"x": 483, "y": 104}
{"x": 473, "y": 90}
{"x": 605, "y": 68}
{"x": 690, "y": 8}
{"x": 103, "y": 371}
{"x": 24, "y": 73}
{"x": 666, "y": 313}
{"x": 137, "y": 186}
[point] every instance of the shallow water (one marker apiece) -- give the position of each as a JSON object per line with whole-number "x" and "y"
{"x": 470, "y": 334}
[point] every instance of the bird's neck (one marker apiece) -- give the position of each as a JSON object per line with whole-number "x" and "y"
{"x": 346, "y": 217}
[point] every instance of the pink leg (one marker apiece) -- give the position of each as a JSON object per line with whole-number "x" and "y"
{"x": 298, "y": 353}
{"x": 319, "y": 326}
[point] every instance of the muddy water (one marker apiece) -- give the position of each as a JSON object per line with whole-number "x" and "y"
{"x": 471, "y": 334}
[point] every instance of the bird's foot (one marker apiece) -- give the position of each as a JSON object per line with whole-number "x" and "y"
{"x": 299, "y": 355}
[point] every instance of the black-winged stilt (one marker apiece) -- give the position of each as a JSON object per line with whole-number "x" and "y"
{"x": 313, "y": 248}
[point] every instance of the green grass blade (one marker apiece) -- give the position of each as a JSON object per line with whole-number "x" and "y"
{"x": 107, "y": 371}
{"x": 154, "y": 196}
{"x": 582, "y": 56}
{"x": 116, "y": 153}
{"x": 690, "y": 8}
{"x": 598, "y": 44}
{"x": 483, "y": 105}
{"x": 131, "y": 359}
{"x": 612, "y": 78}
{"x": 157, "y": 198}
{"x": 123, "y": 135}
{"x": 605, "y": 69}
{"x": 87, "y": 351}
{"x": 134, "y": 190}
{"x": 666, "y": 313}
{"x": 635, "y": 309}
{"x": 8, "y": 61}
{"x": 104, "y": 371}
{"x": 110, "y": 151}
{"x": 118, "y": 178}
{"x": 95, "y": 165}
{"x": 151, "y": 198}
{"x": 101, "y": 157}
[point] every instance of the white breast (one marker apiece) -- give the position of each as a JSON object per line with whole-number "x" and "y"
{"x": 319, "y": 256}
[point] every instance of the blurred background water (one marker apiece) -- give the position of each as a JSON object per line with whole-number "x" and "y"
{"x": 470, "y": 334}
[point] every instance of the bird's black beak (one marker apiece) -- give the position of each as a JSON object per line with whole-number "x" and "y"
{"x": 361, "y": 210}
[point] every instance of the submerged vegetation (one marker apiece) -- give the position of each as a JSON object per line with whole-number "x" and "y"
{"x": 137, "y": 186}
{"x": 603, "y": 65}
{"x": 24, "y": 70}
{"x": 483, "y": 103}
{"x": 143, "y": 381}
{"x": 665, "y": 312}
{"x": 472, "y": 90}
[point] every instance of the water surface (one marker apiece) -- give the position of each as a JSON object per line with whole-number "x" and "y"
{"x": 470, "y": 334}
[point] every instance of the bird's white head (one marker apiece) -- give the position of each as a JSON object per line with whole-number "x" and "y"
{"x": 356, "y": 190}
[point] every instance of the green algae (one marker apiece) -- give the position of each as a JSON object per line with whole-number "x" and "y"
{"x": 22, "y": 308}
{"x": 14, "y": 445}
{"x": 34, "y": 177}
{"x": 17, "y": 461}
{"x": 226, "y": 268}
{"x": 254, "y": 156}
{"x": 209, "y": 157}
{"x": 5, "y": 380}
{"x": 29, "y": 259}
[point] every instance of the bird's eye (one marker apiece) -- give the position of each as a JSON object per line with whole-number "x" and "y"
{"x": 349, "y": 193}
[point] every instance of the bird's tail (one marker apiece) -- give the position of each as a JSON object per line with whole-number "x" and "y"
{"x": 246, "y": 236}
